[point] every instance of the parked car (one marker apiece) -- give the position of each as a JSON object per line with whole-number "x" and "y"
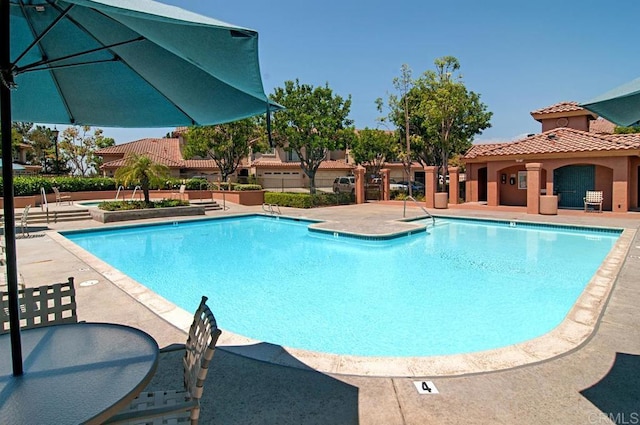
{"x": 394, "y": 185}
{"x": 345, "y": 184}
{"x": 416, "y": 187}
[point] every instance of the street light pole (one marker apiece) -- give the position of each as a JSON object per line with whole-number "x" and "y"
{"x": 54, "y": 136}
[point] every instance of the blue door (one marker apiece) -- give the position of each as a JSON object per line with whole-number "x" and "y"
{"x": 572, "y": 182}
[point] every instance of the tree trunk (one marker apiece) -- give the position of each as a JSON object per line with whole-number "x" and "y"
{"x": 312, "y": 182}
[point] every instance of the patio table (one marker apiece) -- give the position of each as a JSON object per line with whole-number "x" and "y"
{"x": 75, "y": 373}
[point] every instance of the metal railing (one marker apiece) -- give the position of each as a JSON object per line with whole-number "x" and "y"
{"x": 44, "y": 205}
{"x": 404, "y": 211}
{"x": 133, "y": 194}
{"x": 118, "y": 192}
{"x": 272, "y": 208}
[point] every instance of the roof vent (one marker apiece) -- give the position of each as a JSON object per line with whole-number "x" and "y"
{"x": 551, "y": 136}
{"x": 531, "y": 134}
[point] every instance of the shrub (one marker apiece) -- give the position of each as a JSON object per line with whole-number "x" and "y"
{"x": 401, "y": 196}
{"x": 197, "y": 184}
{"x": 30, "y": 185}
{"x": 245, "y": 187}
{"x": 306, "y": 200}
{"x": 287, "y": 199}
{"x": 140, "y": 205}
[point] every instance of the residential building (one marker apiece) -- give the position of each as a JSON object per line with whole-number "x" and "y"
{"x": 575, "y": 152}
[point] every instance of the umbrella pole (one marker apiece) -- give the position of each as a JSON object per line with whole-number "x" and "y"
{"x": 7, "y": 180}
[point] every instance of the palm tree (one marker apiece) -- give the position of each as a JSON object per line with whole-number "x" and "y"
{"x": 140, "y": 169}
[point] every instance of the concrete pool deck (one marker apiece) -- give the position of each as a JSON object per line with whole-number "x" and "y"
{"x": 245, "y": 390}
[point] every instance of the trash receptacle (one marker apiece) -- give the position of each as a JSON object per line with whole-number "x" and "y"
{"x": 548, "y": 204}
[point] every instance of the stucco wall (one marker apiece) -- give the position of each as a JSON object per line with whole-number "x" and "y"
{"x": 578, "y": 123}
{"x": 509, "y": 192}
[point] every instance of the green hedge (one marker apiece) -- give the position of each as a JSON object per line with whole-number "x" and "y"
{"x": 234, "y": 186}
{"x": 139, "y": 205}
{"x": 203, "y": 184}
{"x": 306, "y": 200}
{"x": 245, "y": 187}
{"x": 401, "y": 196}
{"x": 30, "y": 185}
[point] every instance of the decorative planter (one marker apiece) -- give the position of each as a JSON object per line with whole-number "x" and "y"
{"x": 441, "y": 200}
{"x": 113, "y": 216}
{"x": 548, "y": 204}
{"x": 242, "y": 197}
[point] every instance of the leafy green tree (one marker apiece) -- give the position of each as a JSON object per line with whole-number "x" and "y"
{"x": 371, "y": 148}
{"x": 141, "y": 170}
{"x": 19, "y": 132}
{"x": 78, "y": 146}
{"x": 43, "y": 150}
{"x": 450, "y": 113}
{"x": 226, "y": 144}
{"x": 626, "y": 130}
{"x": 315, "y": 121}
{"x": 403, "y": 108}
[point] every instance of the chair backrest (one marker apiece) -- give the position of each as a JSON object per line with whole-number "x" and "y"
{"x": 23, "y": 220}
{"x": 42, "y": 306}
{"x": 593, "y": 196}
{"x": 199, "y": 349}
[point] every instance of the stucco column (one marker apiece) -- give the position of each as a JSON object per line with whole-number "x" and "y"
{"x": 471, "y": 183}
{"x": 430, "y": 181}
{"x": 533, "y": 187}
{"x": 386, "y": 194}
{"x": 454, "y": 185}
{"x": 620, "y": 197}
{"x": 493, "y": 185}
{"x": 359, "y": 173}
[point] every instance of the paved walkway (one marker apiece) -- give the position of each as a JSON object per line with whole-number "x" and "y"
{"x": 579, "y": 387}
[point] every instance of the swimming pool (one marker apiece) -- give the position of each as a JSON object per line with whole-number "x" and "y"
{"x": 461, "y": 287}
{"x": 89, "y": 204}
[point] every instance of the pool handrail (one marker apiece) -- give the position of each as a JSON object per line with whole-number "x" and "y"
{"x": 270, "y": 208}
{"x": 118, "y": 192}
{"x": 44, "y": 204}
{"x": 404, "y": 211}
{"x": 133, "y": 194}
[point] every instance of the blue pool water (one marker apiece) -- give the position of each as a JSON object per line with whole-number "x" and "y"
{"x": 89, "y": 204}
{"x": 463, "y": 286}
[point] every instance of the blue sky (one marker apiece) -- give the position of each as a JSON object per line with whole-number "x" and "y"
{"x": 519, "y": 56}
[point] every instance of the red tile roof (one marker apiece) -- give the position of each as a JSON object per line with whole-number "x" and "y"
{"x": 164, "y": 151}
{"x": 270, "y": 163}
{"x": 558, "y": 141}
{"x": 199, "y": 163}
{"x": 601, "y": 126}
{"x": 559, "y": 107}
{"x": 165, "y": 148}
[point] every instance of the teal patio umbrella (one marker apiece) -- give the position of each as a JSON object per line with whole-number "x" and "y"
{"x": 620, "y": 105}
{"x": 122, "y": 64}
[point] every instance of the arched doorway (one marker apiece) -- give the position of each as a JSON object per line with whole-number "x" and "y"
{"x": 572, "y": 182}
